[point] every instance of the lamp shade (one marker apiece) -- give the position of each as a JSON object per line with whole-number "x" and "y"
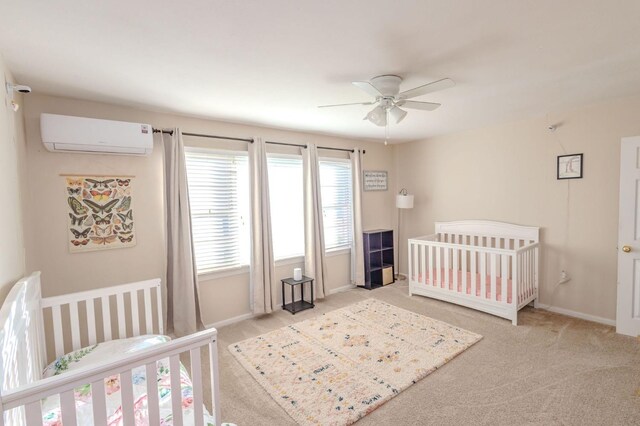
{"x": 404, "y": 201}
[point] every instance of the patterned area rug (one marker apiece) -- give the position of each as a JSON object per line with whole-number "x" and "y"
{"x": 338, "y": 367}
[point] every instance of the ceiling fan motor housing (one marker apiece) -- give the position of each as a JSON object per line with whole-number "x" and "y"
{"x": 388, "y": 85}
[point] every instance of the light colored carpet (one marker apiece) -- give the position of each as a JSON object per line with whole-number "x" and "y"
{"x": 335, "y": 368}
{"x": 549, "y": 370}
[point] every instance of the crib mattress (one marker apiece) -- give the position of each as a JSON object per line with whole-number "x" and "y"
{"x": 440, "y": 281}
{"x": 84, "y": 410}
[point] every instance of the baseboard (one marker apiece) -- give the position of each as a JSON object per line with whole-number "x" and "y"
{"x": 576, "y": 314}
{"x": 341, "y": 289}
{"x": 230, "y": 321}
{"x": 249, "y": 315}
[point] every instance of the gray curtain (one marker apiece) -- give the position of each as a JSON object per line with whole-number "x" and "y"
{"x": 314, "y": 248}
{"x": 262, "y": 275}
{"x": 357, "y": 249}
{"x": 183, "y": 304}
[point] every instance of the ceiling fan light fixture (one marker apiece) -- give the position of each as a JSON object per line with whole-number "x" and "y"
{"x": 377, "y": 116}
{"x": 397, "y": 114}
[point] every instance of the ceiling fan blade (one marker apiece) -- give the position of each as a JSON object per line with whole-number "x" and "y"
{"x": 377, "y": 116}
{"x": 425, "y": 106}
{"x": 434, "y": 86}
{"x": 367, "y": 87}
{"x": 338, "y": 105}
{"x": 397, "y": 114}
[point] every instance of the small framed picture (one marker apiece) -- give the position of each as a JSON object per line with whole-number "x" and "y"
{"x": 375, "y": 180}
{"x": 570, "y": 166}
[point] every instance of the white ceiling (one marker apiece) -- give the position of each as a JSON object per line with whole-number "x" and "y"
{"x": 271, "y": 62}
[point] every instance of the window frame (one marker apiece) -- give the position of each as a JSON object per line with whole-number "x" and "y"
{"x": 344, "y": 249}
{"x": 296, "y": 258}
{"x": 231, "y": 270}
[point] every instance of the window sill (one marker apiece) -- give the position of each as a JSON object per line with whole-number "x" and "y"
{"x": 214, "y": 275}
{"x": 338, "y": 251}
{"x": 290, "y": 260}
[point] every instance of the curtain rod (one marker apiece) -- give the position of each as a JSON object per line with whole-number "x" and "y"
{"x": 320, "y": 147}
{"x": 200, "y": 135}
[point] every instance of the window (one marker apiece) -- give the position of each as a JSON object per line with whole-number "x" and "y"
{"x": 287, "y": 205}
{"x": 219, "y": 200}
{"x": 337, "y": 204}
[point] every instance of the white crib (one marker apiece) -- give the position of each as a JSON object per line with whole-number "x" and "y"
{"x": 31, "y": 325}
{"x": 483, "y": 265}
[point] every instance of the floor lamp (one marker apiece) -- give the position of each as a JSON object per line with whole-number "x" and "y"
{"x": 403, "y": 201}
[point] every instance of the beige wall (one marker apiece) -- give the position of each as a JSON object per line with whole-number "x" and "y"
{"x": 508, "y": 173}
{"x": 63, "y": 272}
{"x": 12, "y": 186}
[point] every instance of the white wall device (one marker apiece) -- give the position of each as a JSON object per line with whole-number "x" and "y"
{"x": 63, "y": 133}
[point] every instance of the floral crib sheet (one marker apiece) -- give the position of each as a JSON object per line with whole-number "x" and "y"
{"x": 84, "y": 411}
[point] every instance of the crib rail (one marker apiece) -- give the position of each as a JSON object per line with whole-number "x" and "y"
{"x": 496, "y": 274}
{"x": 28, "y": 398}
{"x": 88, "y": 314}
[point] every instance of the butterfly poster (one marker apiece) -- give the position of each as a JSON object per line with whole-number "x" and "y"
{"x": 100, "y": 213}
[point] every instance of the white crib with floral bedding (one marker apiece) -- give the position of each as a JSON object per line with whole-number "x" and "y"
{"x": 488, "y": 266}
{"x": 115, "y": 335}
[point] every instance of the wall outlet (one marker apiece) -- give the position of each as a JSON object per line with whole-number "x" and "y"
{"x": 564, "y": 277}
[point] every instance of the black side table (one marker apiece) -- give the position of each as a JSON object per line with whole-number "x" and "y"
{"x": 300, "y": 305}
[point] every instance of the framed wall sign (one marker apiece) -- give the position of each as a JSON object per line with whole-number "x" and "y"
{"x": 375, "y": 180}
{"x": 570, "y": 166}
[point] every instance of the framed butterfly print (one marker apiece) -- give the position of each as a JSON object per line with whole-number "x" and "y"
{"x": 100, "y": 212}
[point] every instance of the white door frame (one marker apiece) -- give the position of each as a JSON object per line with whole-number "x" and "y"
{"x": 628, "y": 303}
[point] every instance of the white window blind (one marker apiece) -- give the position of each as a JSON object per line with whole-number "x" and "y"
{"x": 287, "y": 205}
{"x": 219, "y": 200}
{"x": 337, "y": 203}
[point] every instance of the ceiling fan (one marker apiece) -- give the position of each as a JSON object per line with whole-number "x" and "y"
{"x": 389, "y": 99}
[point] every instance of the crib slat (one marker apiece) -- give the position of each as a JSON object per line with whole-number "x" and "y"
{"x": 99, "y": 402}
{"x": 33, "y": 413}
{"x": 135, "y": 318}
{"x": 415, "y": 260}
{"x": 159, "y": 311}
{"x": 122, "y": 325}
{"x": 196, "y": 379}
{"x": 456, "y": 253}
{"x": 430, "y": 267}
{"x": 57, "y": 330}
{"x": 474, "y": 272}
{"x": 423, "y": 262}
{"x": 75, "y": 325}
{"x": 536, "y": 271}
{"x": 504, "y": 279}
{"x": 446, "y": 267}
{"x": 126, "y": 393}
{"x": 525, "y": 272}
{"x": 151, "y": 371}
{"x": 215, "y": 387}
{"x": 106, "y": 318}
{"x": 516, "y": 283}
{"x": 68, "y": 408}
{"x": 437, "y": 279}
{"x": 483, "y": 274}
{"x": 176, "y": 389}
{"x": 91, "y": 321}
{"x": 464, "y": 254}
{"x": 148, "y": 319}
{"x": 493, "y": 277}
{"x": 529, "y": 270}
{"x": 411, "y": 269}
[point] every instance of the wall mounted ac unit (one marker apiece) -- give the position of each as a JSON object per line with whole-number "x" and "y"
{"x": 63, "y": 133}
